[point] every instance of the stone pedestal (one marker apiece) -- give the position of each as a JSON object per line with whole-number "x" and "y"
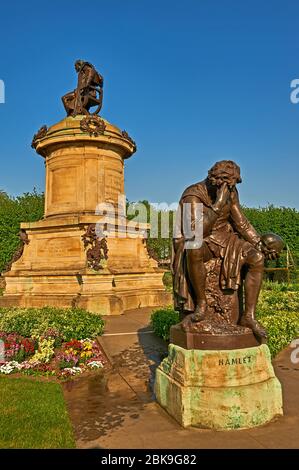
{"x": 61, "y": 264}
{"x": 222, "y": 390}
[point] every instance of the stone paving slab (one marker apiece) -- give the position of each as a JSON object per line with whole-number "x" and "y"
{"x": 129, "y": 321}
{"x": 118, "y": 410}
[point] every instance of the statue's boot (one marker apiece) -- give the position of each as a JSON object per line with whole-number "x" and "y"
{"x": 199, "y": 312}
{"x": 252, "y": 284}
{"x": 197, "y": 316}
{"x": 249, "y": 321}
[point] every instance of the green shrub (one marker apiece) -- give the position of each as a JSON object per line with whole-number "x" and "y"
{"x": 280, "y": 286}
{"x": 273, "y": 302}
{"x": 71, "y": 323}
{"x": 162, "y": 319}
{"x": 282, "y": 329}
{"x": 167, "y": 281}
{"x": 278, "y": 311}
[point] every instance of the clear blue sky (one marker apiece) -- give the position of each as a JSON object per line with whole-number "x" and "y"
{"x": 192, "y": 81}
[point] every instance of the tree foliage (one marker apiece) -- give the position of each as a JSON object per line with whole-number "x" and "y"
{"x": 283, "y": 221}
{"x": 28, "y": 207}
{"x": 161, "y": 221}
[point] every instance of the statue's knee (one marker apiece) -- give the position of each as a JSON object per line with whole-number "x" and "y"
{"x": 256, "y": 258}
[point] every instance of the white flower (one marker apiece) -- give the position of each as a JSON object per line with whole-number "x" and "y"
{"x": 73, "y": 370}
{"x": 95, "y": 364}
{"x": 10, "y": 367}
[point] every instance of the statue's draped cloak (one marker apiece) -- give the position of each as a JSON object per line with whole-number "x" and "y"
{"x": 223, "y": 240}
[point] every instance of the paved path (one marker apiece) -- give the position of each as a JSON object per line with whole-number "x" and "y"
{"x": 117, "y": 410}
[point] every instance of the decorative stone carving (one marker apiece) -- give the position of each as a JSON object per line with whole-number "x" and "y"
{"x": 42, "y": 132}
{"x": 94, "y": 125}
{"x": 18, "y": 253}
{"x": 127, "y": 137}
{"x": 98, "y": 249}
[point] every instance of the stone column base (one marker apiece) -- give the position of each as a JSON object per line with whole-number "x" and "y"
{"x": 221, "y": 390}
{"x": 99, "y": 303}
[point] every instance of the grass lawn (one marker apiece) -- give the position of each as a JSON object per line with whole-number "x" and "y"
{"x": 33, "y": 415}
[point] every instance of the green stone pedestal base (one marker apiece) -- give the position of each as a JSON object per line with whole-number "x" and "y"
{"x": 227, "y": 389}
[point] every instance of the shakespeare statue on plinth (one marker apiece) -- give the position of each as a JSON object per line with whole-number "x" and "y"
{"x": 218, "y": 373}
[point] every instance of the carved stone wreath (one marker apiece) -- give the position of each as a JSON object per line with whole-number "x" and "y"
{"x": 97, "y": 249}
{"x": 93, "y": 125}
{"x": 42, "y": 132}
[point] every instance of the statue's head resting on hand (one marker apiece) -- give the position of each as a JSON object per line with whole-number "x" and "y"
{"x": 225, "y": 171}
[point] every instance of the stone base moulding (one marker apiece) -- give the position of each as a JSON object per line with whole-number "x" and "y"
{"x": 221, "y": 390}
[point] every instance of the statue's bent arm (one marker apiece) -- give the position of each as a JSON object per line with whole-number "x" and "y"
{"x": 241, "y": 223}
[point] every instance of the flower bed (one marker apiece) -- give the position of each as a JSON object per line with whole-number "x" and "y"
{"x": 50, "y": 355}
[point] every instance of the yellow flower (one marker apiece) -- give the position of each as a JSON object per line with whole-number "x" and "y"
{"x": 86, "y": 354}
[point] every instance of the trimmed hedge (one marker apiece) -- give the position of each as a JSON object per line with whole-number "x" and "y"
{"x": 71, "y": 323}
{"x": 162, "y": 319}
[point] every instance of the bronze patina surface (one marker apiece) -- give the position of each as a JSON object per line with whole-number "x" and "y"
{"x": 89, "y": 91}
{"x": 217, "y": 282}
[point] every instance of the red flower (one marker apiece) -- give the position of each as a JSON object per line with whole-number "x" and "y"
{"x": 74, "y": 343}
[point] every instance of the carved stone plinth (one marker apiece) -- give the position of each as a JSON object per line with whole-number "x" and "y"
{"x": 225, "y": 389}
{"x": 63, "y": 263}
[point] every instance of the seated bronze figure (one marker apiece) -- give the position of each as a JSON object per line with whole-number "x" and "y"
{"x": 89, "y": 91}
{"x": 230, "y": 257}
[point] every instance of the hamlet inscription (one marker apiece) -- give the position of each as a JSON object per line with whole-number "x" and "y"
{"x": 235, "y": 360}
